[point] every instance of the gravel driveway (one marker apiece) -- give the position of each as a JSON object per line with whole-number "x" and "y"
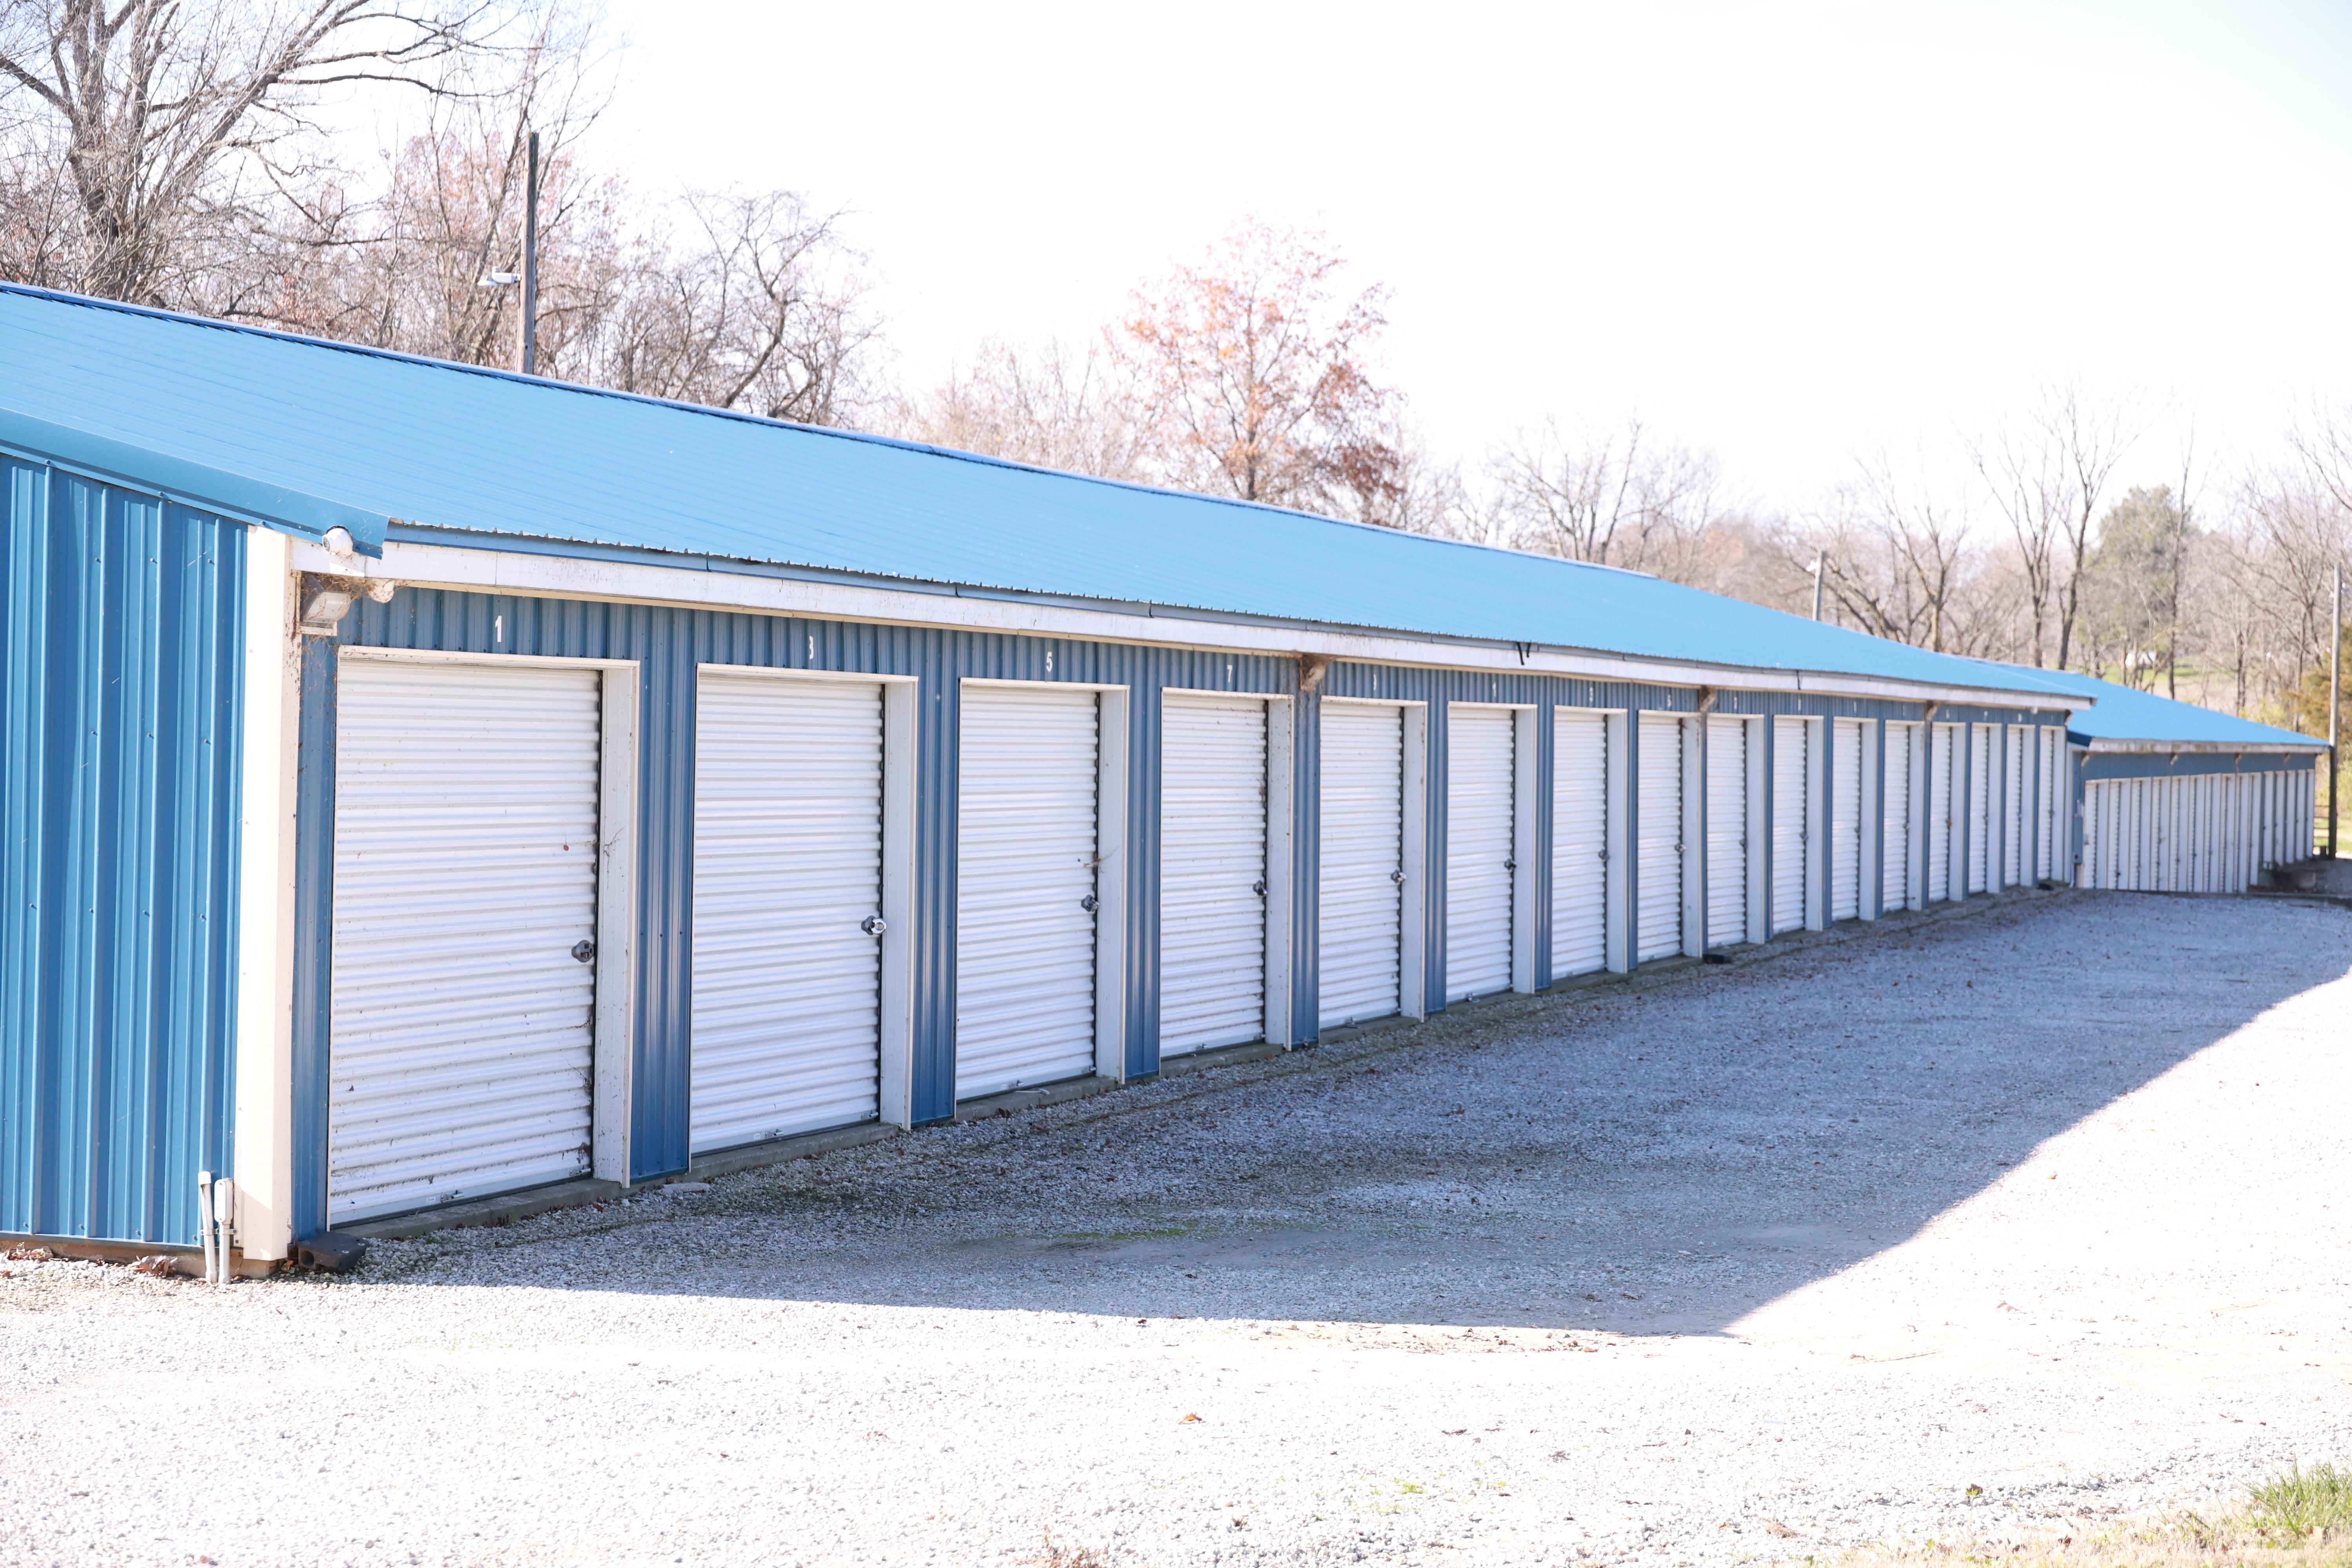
{"x": 2052, "y": 1201}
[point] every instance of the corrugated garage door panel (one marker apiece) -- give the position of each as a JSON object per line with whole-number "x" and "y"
{"x": 2014, "y": 821}
{"x": 463, "y": 1036}
{"x": 1984, "y": 763}
{"x": 1024, "y": 882}
{"x": 787, "y": 865}
{"x": 1361, "y": 881}
{"x": 1898, "y": 806}
{"x": 1480, "y": 759}
{"x": 2056, "y": 810}
{"x": 1942, "y": 760}
{"x": 1845, "y": 818}
{"x": 1579, "y": 842}
{"x": 1658, "y": 854}
{"x": 1213, "y": 872}
{"x": 1791, "y": 808}
{"x": 1727, "y": 831}
{"x": 2097, "y": 838}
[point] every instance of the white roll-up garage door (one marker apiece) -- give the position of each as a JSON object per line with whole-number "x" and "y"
{"x": 2013, "y": 819}
{"x": 1213, "y": 872}
{"x": 2055, "y": 810}
{"x": 1658, "y": 848}
{"x": 1025, "y": 847}
{"x": 1898, "y": 806}
{"x": 2098, "y": 853}
{"x": 1983, "y": 769}
{"x": 1361, "y": 879}
{"x": 1579, "y": 842}
{"x": 463, "y": 977}
{"x": 2236, "y": 876}
{"x": 1942, "y": 754}
{"x": 1481, "y": 758}
{"x": 1727, "y": 831}
{"x": 787, "y": 872}
{"x": 1791, "y": 816}
{"x": 1845, "y": 818}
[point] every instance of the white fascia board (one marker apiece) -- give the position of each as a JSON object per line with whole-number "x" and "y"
{"x": 578, "y": 577}
{"x": 2209, "y": 748}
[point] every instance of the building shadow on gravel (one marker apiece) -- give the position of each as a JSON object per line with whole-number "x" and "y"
{"x": 1652, "y": 1160}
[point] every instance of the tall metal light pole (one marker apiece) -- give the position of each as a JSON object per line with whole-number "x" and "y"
{"x": 1820, "y": 558}
{"x": 527, "y": 333}
{"x": 2335, "y": 709}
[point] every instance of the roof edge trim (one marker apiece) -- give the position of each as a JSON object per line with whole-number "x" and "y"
{"x": 2110, "y": 744}
{"x": 517, "y": 563}
{"x": 192, "y": 484}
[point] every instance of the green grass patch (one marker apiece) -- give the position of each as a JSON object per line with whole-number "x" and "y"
{"x": 2302, "y": 1504}
{"x": 2299, "y": 1520}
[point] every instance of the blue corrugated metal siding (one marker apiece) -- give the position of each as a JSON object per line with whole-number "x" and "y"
{"x": 668, "y": 644}
{"x": 120, "y": 618}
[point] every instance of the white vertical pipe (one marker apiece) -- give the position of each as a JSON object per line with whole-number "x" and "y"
{"x": 223, "y": 1214}
{"x": 204, "y": 1219}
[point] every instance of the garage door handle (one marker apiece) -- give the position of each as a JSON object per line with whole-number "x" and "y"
{"x": 1510, "y": 865}
{"x": 1398, "y": 878}
{"x": 1089, "y": 903}
{"x": 584, "y": 950}
{"x": 873, "y": 925}
{"x": 1258, "y": 886}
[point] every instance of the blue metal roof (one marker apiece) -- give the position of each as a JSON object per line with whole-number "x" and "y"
{"x": 2123, "y": 713}
{"x": 359, "y": 434}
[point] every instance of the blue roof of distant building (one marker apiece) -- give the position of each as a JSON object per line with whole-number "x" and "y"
{"x": 336, "y": 432}
{"x": 2124, "y": 714}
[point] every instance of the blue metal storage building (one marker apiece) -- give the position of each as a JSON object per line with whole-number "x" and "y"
{"x": 2172, "y": 797}
{"x": 333, "y": 675}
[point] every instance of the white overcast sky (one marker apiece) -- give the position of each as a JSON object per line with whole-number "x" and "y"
{"x": 1786, "y": 232}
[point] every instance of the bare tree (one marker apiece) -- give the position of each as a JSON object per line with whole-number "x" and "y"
{"x": 1054, "y": 405}
{"x": 736, "y": 301}
{"x": 1413, "y": 491}
{"x": 1255, "y": 373}
{"x": 2088, "y": 438}
{"x": 2026, "y": 479}
{"x": 1610, "y": 496}
{"x": 760, "y": 307}
{"x": 173, "y": 124}
{"x": 2048, "y": 471}
{"x": 1896, "y": 557}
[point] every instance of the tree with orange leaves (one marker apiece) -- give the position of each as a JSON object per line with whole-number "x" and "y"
{"x": 1256, "y": 377}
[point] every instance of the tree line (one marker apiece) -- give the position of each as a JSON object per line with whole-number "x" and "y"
{"x": 206, "y": 155}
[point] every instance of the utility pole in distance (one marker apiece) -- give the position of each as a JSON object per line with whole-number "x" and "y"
{"x": 527, "y": 334}
{"x": 1820, "y": 560}
{"x": 2335, "y": 708}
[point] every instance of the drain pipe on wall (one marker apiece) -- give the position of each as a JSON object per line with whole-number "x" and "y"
{"x": 204, "y": 1219}
{"x": 224, "y": 1213}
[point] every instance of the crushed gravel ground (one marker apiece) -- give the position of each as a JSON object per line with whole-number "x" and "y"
{"x": 1972, "y": 1228}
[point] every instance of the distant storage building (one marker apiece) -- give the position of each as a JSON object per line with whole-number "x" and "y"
{"x": 419, "y": 783}
{"x": 2175, "y": 798}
